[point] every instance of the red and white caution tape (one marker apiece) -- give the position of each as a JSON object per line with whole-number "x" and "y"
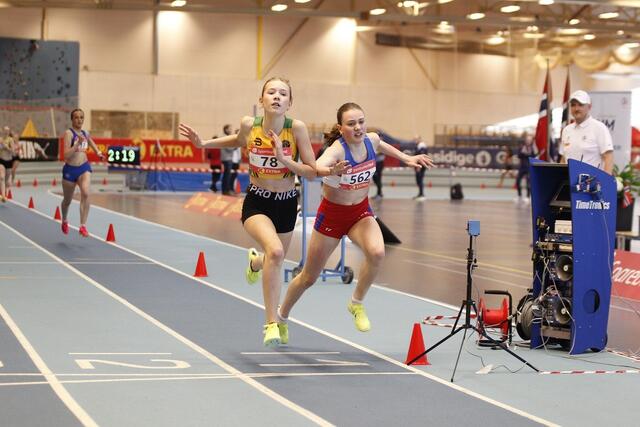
{"x": 618, "y": 371}
{"x": 428, "y": 318}
{"x": 431, "y": 323}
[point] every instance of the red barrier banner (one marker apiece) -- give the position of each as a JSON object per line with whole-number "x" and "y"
{"x": 626, "y": 275}
{"x": 161, "y": 151}
{"x": 214, "y": 204}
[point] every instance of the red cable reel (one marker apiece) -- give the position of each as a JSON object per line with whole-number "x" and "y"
{"x": 494, "y": 318}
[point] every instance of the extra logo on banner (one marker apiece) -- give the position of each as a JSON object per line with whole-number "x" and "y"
{"x": 626, "y": 275}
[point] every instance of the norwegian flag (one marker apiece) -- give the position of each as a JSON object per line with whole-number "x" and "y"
{"x": 627, "y": 198}
{"x": 565, "y": 102}
{"x": 544, "y": 120}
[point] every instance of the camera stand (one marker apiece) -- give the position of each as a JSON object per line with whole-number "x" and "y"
{"x": 473, "y": 227}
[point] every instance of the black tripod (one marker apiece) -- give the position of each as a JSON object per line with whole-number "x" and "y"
{"x": 473, "y": 228}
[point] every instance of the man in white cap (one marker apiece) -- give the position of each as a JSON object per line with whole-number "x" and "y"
{"x": 587, "y": 139}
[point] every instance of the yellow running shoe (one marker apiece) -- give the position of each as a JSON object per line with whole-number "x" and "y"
{"x": 359, "y": 316}
{"x": 271, "y": 335}
{"x": 251, "y": 275}
{"x": 283, "y": 328}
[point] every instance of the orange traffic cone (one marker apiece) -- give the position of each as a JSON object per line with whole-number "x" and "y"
{"x": 393, "y": 183}
{"x": 104, "y": 181}
{"x": 9, "y": 195}
{"x": 54, "y": 182}
{"x": 201, "y": 267}
{"x": 57, "y": 215}
{"x": 429, "y": 184}
{"x": 31, "y": 205}
{"x": 35, "y": 182}
{"x": 483, "y": 186}
{"x": 18, "y": 184}
{"x": 416, "y": 347}
{"x": 238, "y": 187}
{"x": 111, "y": 236}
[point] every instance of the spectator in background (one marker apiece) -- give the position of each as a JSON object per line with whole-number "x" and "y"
{"x": 6, "y": 162}
{"x": 229, "y": 156}
{"x": 508, "y": 165}
{"x": 16, "y": 156}
{"x": 526, "y": 152}
{"x": 421, "y": 148}
{"x": 377, "y": 176}
{"x": 216, "y": 167}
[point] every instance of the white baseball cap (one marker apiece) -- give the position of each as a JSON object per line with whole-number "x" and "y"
{"x": 581, "y": 96}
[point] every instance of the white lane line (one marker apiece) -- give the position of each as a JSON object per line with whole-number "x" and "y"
{"x": 464, "y": 273}
{"x": 208, "y": 374}
{"x": 278, "y": 353}
{"x": 195, "y": 347}
{"x": 212, "y": 377}
{"x": 318, "y": 330}
{"x": 124, "y": 354}
{"x": 51, "y": 379}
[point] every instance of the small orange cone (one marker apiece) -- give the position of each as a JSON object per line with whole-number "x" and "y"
{"x": 9, "y": 195}
{"x": 18, "y": 184}
{"x": 104, "y": 181}
{"x": 238, "y": 187}
{"x": 429, "y": 184}
{"x": 57, "y": 215}
{"x": 111, "y": 236}
{"x": 54, "y": 182}
{"x": 393, "y": 183}
{"x": 515, "y": 186}
{"x": 201, "y": 267}
{"x": 483, "y": 186}
{"x": 35, "y": 182}
{"x": 416, "y": 347}
{"x": 31, "y": 205}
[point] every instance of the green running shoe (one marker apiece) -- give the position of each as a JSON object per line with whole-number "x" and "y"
{"x": 271, "y": 335}
{"x": 283, "y": 328}
{"x": 251, "y": 275}
{"x": 359, "y": 316}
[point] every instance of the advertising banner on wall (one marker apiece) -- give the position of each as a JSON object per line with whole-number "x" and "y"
{"x": 626, "y": 275}
{"x": 160, "y": 151}
{"x": 614, "y": 110}
{"x": 38, "y": 149}
{"x": 485, "y": 158}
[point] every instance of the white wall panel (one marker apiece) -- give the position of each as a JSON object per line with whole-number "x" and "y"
{"x": 110, "y": 40}
{"x": 20, "y": 23}
{"x": 203, "y": 43}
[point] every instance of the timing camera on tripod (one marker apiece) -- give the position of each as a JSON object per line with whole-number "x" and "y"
{"x": 473, "y": 229}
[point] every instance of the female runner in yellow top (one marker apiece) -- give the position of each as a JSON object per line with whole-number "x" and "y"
{"x": 270, "y": 208}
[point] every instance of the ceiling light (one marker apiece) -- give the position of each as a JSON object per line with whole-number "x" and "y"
{"x": 378, "y": 11}
{"x": 279, "y": 7}
{"x": 522, "y": 18}
{"x": 475, "y": 16}
{"x": 407, "y": 3}
{"x": 178, "y": 3}
{"x": 608, "y": 15}
{"x": 574, "y": 21}
{"x": 495, "y": 40}
{"x": 570, "y": 31}
{"x": 589, "y": 36}
{"x": 631, "y": 45}
{"x": 546, "y": 2}
{"x": 510, "y": 8}
{"x": 444, "y": 1}
{"x": 620, "y": 32}
{"x": 444, "y": 28}
{"x": 533, "y": 35}
{"x": 303, "y": 1}
{"x": 532, "y": 28}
